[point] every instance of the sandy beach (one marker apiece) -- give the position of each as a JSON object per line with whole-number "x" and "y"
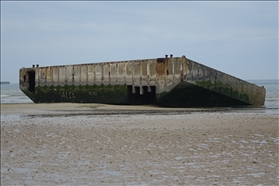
{"x": 93, "y": 144}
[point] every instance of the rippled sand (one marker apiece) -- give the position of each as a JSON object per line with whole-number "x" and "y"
{"x": 137, "y": 145}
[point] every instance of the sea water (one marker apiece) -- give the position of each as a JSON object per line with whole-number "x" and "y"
{"x": 10, "y": 93}
{"x": 272, "y": 94}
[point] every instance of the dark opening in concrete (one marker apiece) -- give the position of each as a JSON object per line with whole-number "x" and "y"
{"x": 31, "y": 81}
{"x": 141, "y": 96}
{"x": 151, "y": 96}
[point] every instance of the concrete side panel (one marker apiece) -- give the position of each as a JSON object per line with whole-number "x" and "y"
{"x": 137, "y": 72}
{"x": 98, "y": 73}
{"x": 37, "y": 76}
{"x": 55, "y": 76}
{"x": 90, "y": 74}
{"x": 176, "y": 71}
{"x": 129, "y": 72}
{"x": 69, "y": 75}
{"x": 161, "y": 68}
{"x": 62, "y": 76}
{"x": 224, "y": 84}
{"x": 205, "y": 73}
{"x": 170, "y": 71}
{"x": 188, "y": 70}
{"x": 113, "y": 73}
{"x": 144, "y": 68}
{"x": 184, "y": 65}
{"x": 49, "y": 73}
{"x": 76, "y": 74}
{"x": 44, "y": 76}
{"x": 106, "y": 73}
{"x": 121, "y": 73}
{"x": 161, "y": 72}
{"x": 22, "y": 78}
{"x": 151, "y": 71}
{"x": 202, "y": 72}
{"x": 193, "y": 72}
{"x": 144, "y": 76}
{"x": 177, "y": 68}
{"x": 83, "y": 74}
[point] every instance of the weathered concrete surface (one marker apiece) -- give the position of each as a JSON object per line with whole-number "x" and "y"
{"x": 174, "y": 82}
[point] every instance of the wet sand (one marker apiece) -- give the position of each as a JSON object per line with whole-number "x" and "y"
{"x": 82, "y": 144}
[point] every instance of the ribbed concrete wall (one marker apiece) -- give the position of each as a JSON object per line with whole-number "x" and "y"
{"x": 220, "y": 82}
{"x": 164, "y": 73}
{"x": 137, "y": 72}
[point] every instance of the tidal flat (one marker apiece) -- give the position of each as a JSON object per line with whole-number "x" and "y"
{"x": 82, "y": 144}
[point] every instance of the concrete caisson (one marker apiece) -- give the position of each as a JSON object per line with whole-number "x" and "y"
{"x": 168, "y": 81}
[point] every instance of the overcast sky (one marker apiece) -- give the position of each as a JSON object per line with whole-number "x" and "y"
{"x": 238, "y": 38}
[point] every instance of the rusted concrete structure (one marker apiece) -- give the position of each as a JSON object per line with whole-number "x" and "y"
{"x": 169, "y": 81}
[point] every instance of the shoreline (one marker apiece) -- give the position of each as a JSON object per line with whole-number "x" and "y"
{"x": 95, "y": 108}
